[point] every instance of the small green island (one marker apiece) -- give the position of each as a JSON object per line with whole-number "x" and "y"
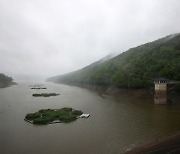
{"x": 38, "y": 88}
{"x": 45, "y": 94}
{"x": 50, "y": 116}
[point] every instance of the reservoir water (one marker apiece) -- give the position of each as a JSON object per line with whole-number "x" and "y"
{"x": 115, "y": 125}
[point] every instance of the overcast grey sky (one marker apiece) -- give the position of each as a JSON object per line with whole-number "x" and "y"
{"x": 44, "y": 38}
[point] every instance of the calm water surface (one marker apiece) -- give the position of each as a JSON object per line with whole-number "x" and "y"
{"x": 115, "y": 124}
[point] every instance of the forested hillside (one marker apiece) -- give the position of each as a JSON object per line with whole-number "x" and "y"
{"x": 5, "y": 80}
{"x": 135, "y": 68}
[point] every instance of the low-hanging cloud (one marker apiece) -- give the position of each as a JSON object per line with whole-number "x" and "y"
{"x": 42, "y": 38}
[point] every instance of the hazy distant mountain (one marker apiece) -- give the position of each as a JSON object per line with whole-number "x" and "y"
{"x": 134, "y": 68}
{"x": 106, "y": 58}
{"x": 20, "y": 77}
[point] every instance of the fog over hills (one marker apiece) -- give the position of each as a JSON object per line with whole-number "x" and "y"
{"x": 42, "y": 38}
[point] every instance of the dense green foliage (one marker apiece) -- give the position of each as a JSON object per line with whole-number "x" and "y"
{"x": 134, "y": 68}
{"x": 47, "y": 116}
{"x": 5, "y": 80}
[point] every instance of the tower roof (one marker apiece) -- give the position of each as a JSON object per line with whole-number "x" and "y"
{"x": 162, "y": 79}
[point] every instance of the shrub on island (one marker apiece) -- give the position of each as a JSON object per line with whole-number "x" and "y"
{"x": 45, "y": 94}
{"x": 48, "y": 116}
{"x": 38, "y": 88}
{"x": 32, "y": 116}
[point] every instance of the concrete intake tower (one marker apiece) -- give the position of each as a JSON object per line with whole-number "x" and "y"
{"x": 160, "y": 96}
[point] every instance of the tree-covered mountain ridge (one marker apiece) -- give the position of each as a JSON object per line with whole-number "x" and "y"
{"x": 135, "y": 68}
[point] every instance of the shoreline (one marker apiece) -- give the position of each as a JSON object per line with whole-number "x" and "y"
{"x": 31, "y": 122}
{"x": 173, "y": 97}
{"x": 2, "y": 85}
{"x": 114, "y": 91}
{"x": 168, "y": 144}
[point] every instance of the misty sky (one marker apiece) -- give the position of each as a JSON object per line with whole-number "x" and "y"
{"x": 44, "y": 38}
